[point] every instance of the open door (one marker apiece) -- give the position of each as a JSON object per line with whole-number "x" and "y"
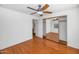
{"x": 34, "y": 29}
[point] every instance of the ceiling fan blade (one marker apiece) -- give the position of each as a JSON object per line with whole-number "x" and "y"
{"x": 31, "y": 8}
{"x": 45, "y": 7}
{"x": 47, "y": 12}
{"x": 33, "y": 13}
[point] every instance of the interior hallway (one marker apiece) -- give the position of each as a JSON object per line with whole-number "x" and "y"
{"x": 39, "y": 46}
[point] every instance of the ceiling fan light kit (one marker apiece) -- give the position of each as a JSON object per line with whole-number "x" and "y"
{"x": 40, "y": 13}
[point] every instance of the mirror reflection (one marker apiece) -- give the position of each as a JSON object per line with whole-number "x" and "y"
{"x": 55, "y": 29}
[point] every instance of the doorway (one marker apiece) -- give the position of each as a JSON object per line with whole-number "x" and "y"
{"x": 34, "y": 29}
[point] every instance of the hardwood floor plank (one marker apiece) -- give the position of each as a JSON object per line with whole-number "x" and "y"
{"x": 39, "y": 46}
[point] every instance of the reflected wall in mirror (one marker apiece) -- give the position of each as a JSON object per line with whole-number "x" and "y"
{"x": 56, "y": 25}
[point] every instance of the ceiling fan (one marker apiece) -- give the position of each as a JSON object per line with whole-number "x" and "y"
{"x": 40, "y": 10}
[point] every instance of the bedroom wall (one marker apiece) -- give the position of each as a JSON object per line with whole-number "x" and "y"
{"x": 15, "y": 27}
{"x": 72, "y": 26}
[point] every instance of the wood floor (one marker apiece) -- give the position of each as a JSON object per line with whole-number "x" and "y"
{"x": 39, "y": 46}
{"x": 53, "y": 35}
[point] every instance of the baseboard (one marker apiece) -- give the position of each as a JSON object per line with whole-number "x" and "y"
{"x": 44, "y": 37}
{"x": 11, "y": 45}
{"x": 39, "y": 37}
{"x": 62, "y": 42}
{"x": 73, "y": 48}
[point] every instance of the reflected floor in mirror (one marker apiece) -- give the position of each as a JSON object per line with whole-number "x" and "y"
{"x": 39, "y": 46}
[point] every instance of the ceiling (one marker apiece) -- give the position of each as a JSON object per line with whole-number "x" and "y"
{"x": 23, "y": 7}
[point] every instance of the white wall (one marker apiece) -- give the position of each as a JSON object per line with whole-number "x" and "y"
{"x": 15, "y": 27}
{"x": 72, "y": 26}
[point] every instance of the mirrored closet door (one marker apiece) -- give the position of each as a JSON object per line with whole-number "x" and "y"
{"x": 56, "y": 29}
